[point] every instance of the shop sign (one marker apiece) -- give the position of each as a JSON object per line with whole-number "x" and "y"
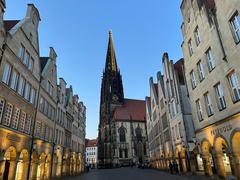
{"x": 221, "y": 130}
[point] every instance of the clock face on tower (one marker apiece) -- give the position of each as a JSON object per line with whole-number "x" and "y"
{"x": 115, "y": 98}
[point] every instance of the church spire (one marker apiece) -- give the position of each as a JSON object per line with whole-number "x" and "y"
{"x": 111, "y": 63}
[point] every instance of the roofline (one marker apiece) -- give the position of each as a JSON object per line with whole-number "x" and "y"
{"x": 134, "y": 99}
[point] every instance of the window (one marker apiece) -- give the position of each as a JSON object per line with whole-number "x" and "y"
{"x": 27, "y": 91}
{"x": 14, "y": 80}
{"x": 21, "y": 84}
{"x": 199, "y": 110}
{"x": 235, "y": 23}
{"x": 49, "y": 115}
{"x": 38, "y": 129}
{"x": 201, "y": 72}
{"x": 41, "y": 105}
{"x": 220, "y": 96}
{"x": 21, "y": 52}
{"x": 234, "y": 83}
{"x": 50, "y": 88}
{"x": 26, "y": 58}
{"x": 22, "y": 121}
{"x": 193, "y": 79}
{"x": 197, "y": 36}
{"x": 138, "y": 132}
{"x": 45, "y": 107}
{"x": 210, "y": 60}
{"x": 33, "y": 96}
{"x": 6, "y": 73}
{"x": 31, "y": 64}
{"x": 122, "y": 134}
{"x": 15, "y": 118}
{"x": 2, "y": 103}
{"x": 208, "y": 103}
{"x": 180, "y": 129}
{"x": 190, "y": 48}
{"x": 28, "y": 124}
{"x": 173, "y": 133}
{"x": 8, "y": 114}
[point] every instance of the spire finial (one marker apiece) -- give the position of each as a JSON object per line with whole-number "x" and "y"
{"x": 110, "y": 32}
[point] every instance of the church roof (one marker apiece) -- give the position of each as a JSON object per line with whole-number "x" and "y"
{"x": 132, "y": 109}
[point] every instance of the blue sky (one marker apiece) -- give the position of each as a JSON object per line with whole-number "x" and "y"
{"x": 78, "y": 30}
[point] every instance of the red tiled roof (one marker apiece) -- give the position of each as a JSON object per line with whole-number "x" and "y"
{"x": 9, "y": 24}
{"x": 132, "y": 109}
{"x": 91, "y": 142}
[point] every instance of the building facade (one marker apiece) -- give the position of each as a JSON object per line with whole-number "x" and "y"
{"x": 211, "y": 51}
{"x": 91, "y": 152}
{"x": 180, "y": 114}
{"x": 34, "y": 108}
{"x": 112, "y": 100}
{"x": 169, "y": 121}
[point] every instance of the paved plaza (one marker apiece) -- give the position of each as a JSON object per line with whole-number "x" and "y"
{"x": 132, "y": 174}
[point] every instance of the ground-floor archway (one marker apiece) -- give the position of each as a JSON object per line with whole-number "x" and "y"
{"x": 34, "y": 166}
{"x": 208, "y": 163}
{"x": 9, "y": 164}
{"x": 223, "y": 162}
{"x": 22, "y": 165}
{"x": 235, "y": 141}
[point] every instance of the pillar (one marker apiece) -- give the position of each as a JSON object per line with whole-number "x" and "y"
{"x": 25, "y": 169}
{"x": 33, "y": 170}
{"x": 220, "y": 165}
{"x": 193, "y": 162}
{"x": 237, "y": 165}
{"x": 231, "y": 159}
{"x": 207, "y": 165}
{"x": 184, "y": 164}
{"x": 12, "y": 170}
{"x": 2, "y": 167}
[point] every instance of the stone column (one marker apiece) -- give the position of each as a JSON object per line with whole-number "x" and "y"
{"x": 220, "y": 165}
{"x": 231, "y": 159}
{"x": 207, "y": 165}
{"x": 25, "y": 170}
{"x": 33, "y": 170}
{"x": 192, "y": 162}
{"x": 12, "y": 170}
{"x": 237, "y": 165}
{"x": 184, "y": 164}
{"x": 2, "y": 167}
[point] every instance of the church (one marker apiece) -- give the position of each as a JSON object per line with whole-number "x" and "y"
{"x": 122, "y": 125}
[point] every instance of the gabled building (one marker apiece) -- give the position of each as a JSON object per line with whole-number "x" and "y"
{"x": 46, "y": 116}
{"x": 180, "y": 114}
{"x": 211, "y": 51}
{"x": 19, "y": 88}
{"x": 91, "y": 156}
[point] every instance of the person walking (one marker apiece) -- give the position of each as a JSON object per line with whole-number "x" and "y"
{"x": 171, "y": 167}
{"x": 175, "y": 167}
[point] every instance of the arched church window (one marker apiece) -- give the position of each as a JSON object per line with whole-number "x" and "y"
{"x": 138, "y": 133}
{"x": 122, "y": 134}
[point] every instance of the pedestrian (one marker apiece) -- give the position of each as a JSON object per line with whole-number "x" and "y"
{"x": 171, "y": 167}
{"x": 175, "y": 167}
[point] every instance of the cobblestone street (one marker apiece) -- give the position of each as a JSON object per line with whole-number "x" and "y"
{"x": 132, "y": 174}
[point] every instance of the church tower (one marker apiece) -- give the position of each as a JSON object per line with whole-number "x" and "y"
{"x": 111, "y": 96}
